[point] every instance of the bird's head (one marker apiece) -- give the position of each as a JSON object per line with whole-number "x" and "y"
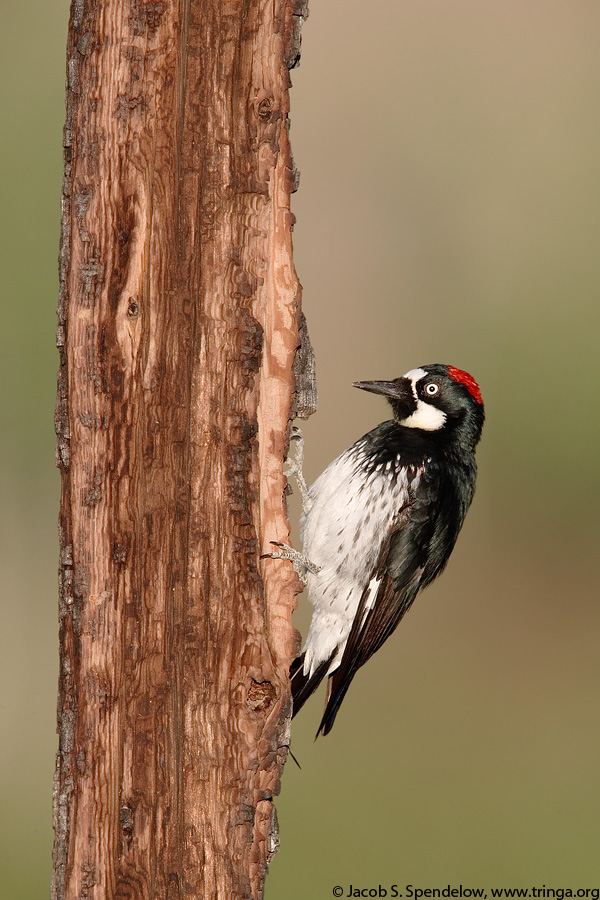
{"x": 441, "y": 400}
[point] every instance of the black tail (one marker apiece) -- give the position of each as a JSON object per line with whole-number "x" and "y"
{"x": 337, "y": 691}
{"x": 304, "y": 685}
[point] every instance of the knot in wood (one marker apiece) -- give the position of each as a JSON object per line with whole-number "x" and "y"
{"x": 126, "y": 819}
{"x": 132, "y": 308}
{"x": 261, "y": 695}
{"x": 265, "y": 108}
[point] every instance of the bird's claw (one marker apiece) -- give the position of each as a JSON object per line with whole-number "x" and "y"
{"x": 294, "y": 464}
{"x": 301, "y": 563}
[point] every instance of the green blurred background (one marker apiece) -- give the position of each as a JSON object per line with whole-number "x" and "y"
{"x": 448, "y": 212}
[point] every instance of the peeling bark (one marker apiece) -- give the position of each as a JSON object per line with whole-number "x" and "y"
{"x": 179, "y": 317}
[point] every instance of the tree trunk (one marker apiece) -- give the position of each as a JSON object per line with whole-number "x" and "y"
{"x": 178, "y": 327}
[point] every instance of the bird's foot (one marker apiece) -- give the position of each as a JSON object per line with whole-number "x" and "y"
{"x": 294, "y": 464}
{"x": 302, "y": 565}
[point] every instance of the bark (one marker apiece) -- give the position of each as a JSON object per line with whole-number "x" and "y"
{"x": 179, "y": 319}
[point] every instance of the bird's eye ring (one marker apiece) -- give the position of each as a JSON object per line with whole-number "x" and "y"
{"x": 431, "y": 388}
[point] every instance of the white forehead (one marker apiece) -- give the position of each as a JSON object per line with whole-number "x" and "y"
{"x": 415, "y": 375}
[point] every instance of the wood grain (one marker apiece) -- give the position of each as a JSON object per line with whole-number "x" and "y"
{"x": 178, "y": 328}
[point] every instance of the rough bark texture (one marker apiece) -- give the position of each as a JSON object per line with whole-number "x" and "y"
{"x": 178, "y": 328}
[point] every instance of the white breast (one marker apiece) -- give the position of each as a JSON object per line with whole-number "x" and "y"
{"x": 343, "y": 532}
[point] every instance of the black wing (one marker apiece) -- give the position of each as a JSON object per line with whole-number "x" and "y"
{"x": 402, "y": 569}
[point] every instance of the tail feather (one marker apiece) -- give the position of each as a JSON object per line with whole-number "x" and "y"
{"x": 335, "y": 694}
{"x": 304, "y": 685}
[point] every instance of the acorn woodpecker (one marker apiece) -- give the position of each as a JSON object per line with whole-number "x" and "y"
{"x": 380, "y": 523}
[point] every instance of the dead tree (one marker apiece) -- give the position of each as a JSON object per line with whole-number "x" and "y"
{"x": 178, "y": 328}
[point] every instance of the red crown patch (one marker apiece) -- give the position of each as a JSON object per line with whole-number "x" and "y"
{"x": 468, "y": 381}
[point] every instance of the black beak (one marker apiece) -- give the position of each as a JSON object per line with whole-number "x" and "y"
{"x": 398, "y": 392}
{"x": 387, "y": 388}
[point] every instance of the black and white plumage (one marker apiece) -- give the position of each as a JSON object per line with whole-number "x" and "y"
{"x": 380, "y": 523}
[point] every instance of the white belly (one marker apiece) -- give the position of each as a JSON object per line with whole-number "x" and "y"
{"x": 343, "y": 532}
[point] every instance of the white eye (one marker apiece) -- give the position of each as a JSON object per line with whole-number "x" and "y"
{"x": 431, "y": 389}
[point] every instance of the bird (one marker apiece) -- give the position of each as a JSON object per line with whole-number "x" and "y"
{"x": 379, "y": 524}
